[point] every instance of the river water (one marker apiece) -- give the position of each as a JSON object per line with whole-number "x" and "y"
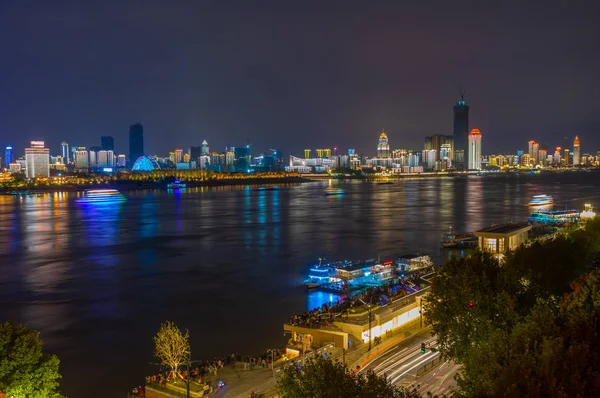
{"x": 226, "y": 263}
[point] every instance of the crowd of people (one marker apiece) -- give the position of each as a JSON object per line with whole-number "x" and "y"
{"x": 200, "y": 371}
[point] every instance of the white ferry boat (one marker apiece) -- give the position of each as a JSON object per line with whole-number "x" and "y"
{"x": 101, "y": 196}
{"x": 541, "y": 200}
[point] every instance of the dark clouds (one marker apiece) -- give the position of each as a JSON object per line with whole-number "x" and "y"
{"x": 296, "y": 74}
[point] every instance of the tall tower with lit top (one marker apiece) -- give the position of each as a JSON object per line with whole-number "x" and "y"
{"x": 461, "y": 132}
{"x": 474, "y": 150}
{"x": 383, "y": 148}
{"x": 576, "y": 152}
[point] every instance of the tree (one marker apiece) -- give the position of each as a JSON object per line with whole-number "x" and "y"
{"x": 24, "y": 369}
{"x": 325, "y": 378}
{"x": 172, "y": 347}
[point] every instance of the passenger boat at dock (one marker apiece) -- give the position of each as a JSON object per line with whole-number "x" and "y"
{"x": 360, "y": 274}
{"x": 101, "y": 196}
{"x": 541, "y": 200}
{"x": 555, "y": 217}
{"x": 458, "y": 240}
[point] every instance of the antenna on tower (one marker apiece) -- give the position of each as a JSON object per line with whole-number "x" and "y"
{"x": 462, "y": 93}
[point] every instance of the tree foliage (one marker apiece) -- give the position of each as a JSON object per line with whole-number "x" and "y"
{"x": 171, "y": 346}
{"x": 516, "y": 326}
{"x": 325, "y": 378}
{"x": 24, "y": 369}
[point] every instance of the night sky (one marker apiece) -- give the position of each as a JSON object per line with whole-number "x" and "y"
{"x": 297, "y": 74}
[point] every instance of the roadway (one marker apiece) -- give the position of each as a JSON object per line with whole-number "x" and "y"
{"x": 405, "y": 365}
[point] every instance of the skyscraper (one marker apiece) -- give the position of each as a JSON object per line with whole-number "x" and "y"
{"x": 37, "y": 160}
{"x": 383, "y": 147}
{"x": 105, "y": 158}
{"x": 82, "y": 159}
{"x": 195, "y": 153}
{"x": 576, "y": 152}
{"x": 178, "y": 155}
{"x": 461, "y": 132}
{"x": 8, "y": 156}
{"x": 65, "y": 152}
{"x": 205, "y": 149}
{"x": 474, "y": 150}
{"x": 107, "y": 143}
{"x": 136, "y": 142}
{"x": 307, "y": 154}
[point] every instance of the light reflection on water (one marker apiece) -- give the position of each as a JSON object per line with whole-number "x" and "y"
{"x": 227, "y": 263}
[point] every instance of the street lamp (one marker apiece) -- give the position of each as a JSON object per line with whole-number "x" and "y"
{"x": 272, "y": 361}
{"x": 369, "y": 311}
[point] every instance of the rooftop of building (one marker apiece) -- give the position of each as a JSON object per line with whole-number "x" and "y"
{"x": 504, "y": 228}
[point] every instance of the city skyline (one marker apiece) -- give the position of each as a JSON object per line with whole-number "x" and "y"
{"x": 189, "y": 75}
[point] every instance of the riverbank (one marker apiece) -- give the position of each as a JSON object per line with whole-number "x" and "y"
{"x": 129, "y": 185}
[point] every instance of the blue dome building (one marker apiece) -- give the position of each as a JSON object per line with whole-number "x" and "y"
{"x": 145, "y": 163}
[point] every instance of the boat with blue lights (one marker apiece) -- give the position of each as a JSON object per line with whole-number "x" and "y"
{"x": 322, "y": 274}
{"x": 555, "y": 217}
{"x": 176, "y": 185}
{"x": 101, "y": 196}
{"x": 334, "y": 192}
{"x": 541, "y": 200}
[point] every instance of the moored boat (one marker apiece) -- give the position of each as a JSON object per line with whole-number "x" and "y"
{"x": 555, "y": 216}
{"x": 459, "y": 240}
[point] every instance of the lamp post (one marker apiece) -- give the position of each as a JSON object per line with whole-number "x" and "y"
{"x": 369, "y": 312}
{"x": 272, "y": 362}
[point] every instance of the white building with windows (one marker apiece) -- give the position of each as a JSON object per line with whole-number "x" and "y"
{"x": 37, "y": 160}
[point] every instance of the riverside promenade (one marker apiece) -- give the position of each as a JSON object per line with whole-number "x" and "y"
{"x": 353, "y": 338}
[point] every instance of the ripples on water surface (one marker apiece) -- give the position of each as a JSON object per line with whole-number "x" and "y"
{"x": 226, "y": 263}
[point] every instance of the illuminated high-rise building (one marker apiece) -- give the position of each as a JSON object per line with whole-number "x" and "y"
{"x": 205, "y": 149}
{"x": 178, "y": 155}
{"x": 383, "y": 147}
{"x": 37, "y": 160}
{"x": 557, "y": 158}
{"x": 326, "y": 152}
{"x": 474, "y": 150}
{"x": 461, "y": 133}
{"x": 307, "y": 154}
{"x": 136, "y": 142}
{"x": 320, "y": 153}
{"x": 82, "y": 159}
{"x": 105, "y": 158}
{"x": 543, "y": 157}
{"x": 65, "y": 152}
{"x": 576, "y": 152}
{"x": 566, "y": 160}
{"x": 121, "y": 161}
{"x": 351, "y": 151}
{"x": 8, "y": 156}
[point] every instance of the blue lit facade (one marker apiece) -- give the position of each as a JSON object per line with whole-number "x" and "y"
{"x": 145, "y": 163}
{"x": 8, "y": 156}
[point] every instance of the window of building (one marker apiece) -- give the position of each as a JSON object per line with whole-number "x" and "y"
{"x": 500, "y": 245}
{"x": 490, "y": 244}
